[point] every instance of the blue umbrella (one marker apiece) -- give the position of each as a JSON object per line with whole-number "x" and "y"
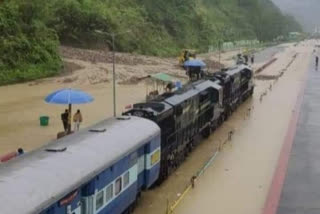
{"x": 68, "y": 96}
{"x": 194, "y": 63}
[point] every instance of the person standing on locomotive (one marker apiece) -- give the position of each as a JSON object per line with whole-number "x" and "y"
{"x": 246, "y": 59}
{"x": 169, "y": 87}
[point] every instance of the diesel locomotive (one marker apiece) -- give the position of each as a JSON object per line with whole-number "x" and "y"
{"x": 195, "y": 110}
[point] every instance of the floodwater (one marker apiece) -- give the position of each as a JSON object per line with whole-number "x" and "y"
{"x": 239, "y": 179}
{"x": 268, "y": 53}
{"x": 21, "y": 106}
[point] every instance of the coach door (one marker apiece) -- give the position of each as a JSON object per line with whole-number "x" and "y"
{"x": 71, "y": 203}
{"x": 75, "y": 211}
{"x": 145, "y": 164}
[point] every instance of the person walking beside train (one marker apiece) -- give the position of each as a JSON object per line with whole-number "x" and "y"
{"x": 77, "y": 119}
{"x": 317, "y": 62}
{"x": 252, "y": 59}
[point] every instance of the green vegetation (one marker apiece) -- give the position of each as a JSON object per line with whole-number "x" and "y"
{"x": 28, "y": 48}
{"x": 32, "y": 30}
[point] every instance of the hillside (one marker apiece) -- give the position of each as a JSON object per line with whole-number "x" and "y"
{"x": 31, "y": 31}
{"x": 306, "y": 12}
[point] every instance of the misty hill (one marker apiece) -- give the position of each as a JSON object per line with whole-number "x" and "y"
{"x": 31, "y": 31}
{"x": 306, "y": 11}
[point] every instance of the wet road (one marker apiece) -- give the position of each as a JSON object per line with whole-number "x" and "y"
{"x": 301, "y": 190}
{"x": 239, "y": 179}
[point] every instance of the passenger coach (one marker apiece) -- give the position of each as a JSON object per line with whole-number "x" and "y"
{"x": 97, "y": 170}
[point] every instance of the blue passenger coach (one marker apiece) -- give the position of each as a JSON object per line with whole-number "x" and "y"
{"x": 99, "y": 170}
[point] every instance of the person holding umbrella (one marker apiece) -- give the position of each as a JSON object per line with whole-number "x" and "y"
{"x": 194, "y": 67}
{"x": 64, "y": 119}
{"x": 68, "y": 96}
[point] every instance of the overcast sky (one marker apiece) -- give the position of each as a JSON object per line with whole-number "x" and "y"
{"x": 307, "y": 12}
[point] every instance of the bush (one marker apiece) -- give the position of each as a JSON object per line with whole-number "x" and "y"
{"x": 28, "y": 49}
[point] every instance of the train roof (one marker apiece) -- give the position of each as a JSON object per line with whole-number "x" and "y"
{"x": 32, "y": 182}
{"x": 234, "y": 70}
{"x": 155, "y": 107}
{"x": 192, "y": 90}
{"x": 209, "y": 84}
{"x": 180, "y": 97}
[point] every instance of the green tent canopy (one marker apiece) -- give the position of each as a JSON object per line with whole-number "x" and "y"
{"x": 162, "y": 77}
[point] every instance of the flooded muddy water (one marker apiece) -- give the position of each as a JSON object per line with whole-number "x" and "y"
{"x": 239, "y": 179}
{"x": 21, "y": 106}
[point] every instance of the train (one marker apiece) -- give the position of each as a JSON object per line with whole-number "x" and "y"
{"x": 103, "y": 169}
{"x": 194, "y": 111}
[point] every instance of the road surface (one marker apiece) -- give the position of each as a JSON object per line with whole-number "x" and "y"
{"x": 301, "y": 190}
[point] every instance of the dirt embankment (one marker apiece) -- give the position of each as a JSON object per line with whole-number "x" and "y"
{"x": 96, "y": 56}
{"x": 82, "y": 66}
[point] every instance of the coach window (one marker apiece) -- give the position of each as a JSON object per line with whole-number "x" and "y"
{"x": 118, "y": 186}
{"x": 155, "y": 157}
{"x": 109, "y": 193}
{"x": 126, "y": 180}
{"x": 133, "y": 159}
{"x": 99, "y": 200}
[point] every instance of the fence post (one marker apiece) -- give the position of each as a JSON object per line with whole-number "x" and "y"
{"x": 168, "y": 210}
